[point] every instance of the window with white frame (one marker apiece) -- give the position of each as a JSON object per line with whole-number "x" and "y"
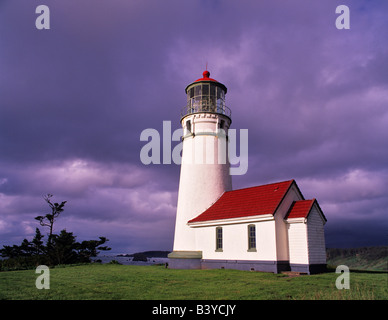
{"x": 218, "y": 239}
{"x": 251, "y": 237}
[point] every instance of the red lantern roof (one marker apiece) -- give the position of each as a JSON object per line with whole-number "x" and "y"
{"x": 206, "y": 75}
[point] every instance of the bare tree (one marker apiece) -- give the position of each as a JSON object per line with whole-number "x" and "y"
{"x": 49, "y": 219}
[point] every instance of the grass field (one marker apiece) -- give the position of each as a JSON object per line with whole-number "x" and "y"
{"x": 107, "y": 281}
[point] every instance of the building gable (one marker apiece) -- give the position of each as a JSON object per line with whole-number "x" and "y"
{"x": 302, "y": 209}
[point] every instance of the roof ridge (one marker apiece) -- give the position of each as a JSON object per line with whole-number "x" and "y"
{"x": 262, "y": 185}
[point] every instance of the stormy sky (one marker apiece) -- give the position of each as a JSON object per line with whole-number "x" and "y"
{"x": 74, "y": 100}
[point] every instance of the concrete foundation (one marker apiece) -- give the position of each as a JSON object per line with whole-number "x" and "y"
{"x": 193, "y": 260}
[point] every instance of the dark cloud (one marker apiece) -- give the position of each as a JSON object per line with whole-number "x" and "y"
{"x": 74, "y": 100}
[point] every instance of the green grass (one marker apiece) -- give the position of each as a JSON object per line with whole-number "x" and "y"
{"x": 107, "y": 281}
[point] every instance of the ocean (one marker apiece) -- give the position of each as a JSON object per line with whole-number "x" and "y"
{"x": 128, "y": 260}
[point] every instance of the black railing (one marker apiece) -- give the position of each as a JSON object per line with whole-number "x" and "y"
{"x": 211, "y": 108}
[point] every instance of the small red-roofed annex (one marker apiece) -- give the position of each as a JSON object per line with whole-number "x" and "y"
{"x": 266, "y": 228}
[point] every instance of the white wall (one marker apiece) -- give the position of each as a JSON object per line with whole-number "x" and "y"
{"x": 281, "y": 226}
{"x": 201, "y": 183}
{"x": 316, "y": 237}
{"x": 297, "y": 234}
{"x": 272, "y": 237}
{"x": 235, "y": 242}
{"x": 307, "y": 239}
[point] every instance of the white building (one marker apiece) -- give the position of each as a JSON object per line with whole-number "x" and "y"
{"x": 264, "y": 228}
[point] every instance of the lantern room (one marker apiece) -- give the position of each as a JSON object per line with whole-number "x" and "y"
{"x": 206, "y": 95}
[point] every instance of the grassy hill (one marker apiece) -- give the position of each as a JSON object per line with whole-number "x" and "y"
{"x": 110, "y": 281}
{"x": 365, "y": 258}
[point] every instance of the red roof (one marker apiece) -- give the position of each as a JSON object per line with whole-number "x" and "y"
{"x": 206, "y": 75}
{"x": 302, "y": 208}
{"x": 247, "y": 202}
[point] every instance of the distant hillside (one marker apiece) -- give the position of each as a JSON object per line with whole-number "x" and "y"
{"x": 148, "y": 254}
{"x": 365, "y": 258}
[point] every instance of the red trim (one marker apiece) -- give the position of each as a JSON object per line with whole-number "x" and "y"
{"x": 205, "y": 79}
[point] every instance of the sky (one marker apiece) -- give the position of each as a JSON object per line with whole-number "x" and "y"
{"x": 75, "y": 98}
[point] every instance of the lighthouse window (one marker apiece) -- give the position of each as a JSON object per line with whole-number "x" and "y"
{"x": 197, "y": 102}
{"x": 212, "y": 90}
{"x": 219, "y": 93}
{"x": 188, "y": 126}
{"x": 220, "y": 100}
{"x": 191, "y": 93}
{"x": 197, "y": 90}
{"x": 219, "y": 239}
{"x": 205, "y": 90}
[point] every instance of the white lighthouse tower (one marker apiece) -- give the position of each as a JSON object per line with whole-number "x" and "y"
{"x": 205, "y": 166}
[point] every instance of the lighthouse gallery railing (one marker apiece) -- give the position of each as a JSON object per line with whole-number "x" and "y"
{"x": 211, "y": 108}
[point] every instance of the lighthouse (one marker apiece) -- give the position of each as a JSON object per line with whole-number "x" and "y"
{"x": 269, "y": 227}
{"x": 205, "y": 167}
